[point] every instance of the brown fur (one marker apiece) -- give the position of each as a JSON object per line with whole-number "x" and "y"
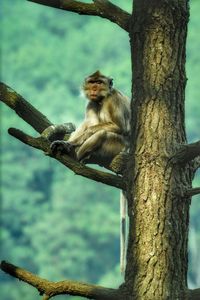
{"x": 106, "y": 126}
{"x": 105, "y": 129}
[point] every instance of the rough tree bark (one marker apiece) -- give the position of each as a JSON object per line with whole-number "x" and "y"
{"x": 159, "y": 213}
{"x": 161, "y": 164}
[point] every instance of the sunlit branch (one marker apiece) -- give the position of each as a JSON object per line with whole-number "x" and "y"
{"x": 23, "y": 108}
{"x": 101, "y": 8}
{"x": 50, "y": 289}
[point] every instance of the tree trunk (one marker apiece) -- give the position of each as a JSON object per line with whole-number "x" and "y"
{"x": 160, "y": 171}
{"x": 158, "y": 211}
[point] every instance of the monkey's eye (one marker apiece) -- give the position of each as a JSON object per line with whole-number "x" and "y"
{"x": 95, "y": 81}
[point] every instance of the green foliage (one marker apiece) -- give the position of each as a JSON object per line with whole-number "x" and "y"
{"x": 193, "y": 125}
{"x": 192, "y": 68}
{"x": 54, "y": 223}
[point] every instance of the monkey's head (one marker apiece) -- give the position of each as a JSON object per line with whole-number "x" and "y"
{"x": 97, "y": 86}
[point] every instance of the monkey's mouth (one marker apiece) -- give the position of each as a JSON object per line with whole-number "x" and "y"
{"x": 93, "y": 95}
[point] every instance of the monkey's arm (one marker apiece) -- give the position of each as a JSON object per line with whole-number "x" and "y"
{"x": 108, "y": 126}
{"x": 75, "y": 136}
{"x": 81, "y": 135}
{"x": 115, "y": 120}
{"x": 74, "y": 140}
{"x": 88, "y": 132}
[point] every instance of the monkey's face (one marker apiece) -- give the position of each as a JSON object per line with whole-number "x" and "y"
{"x": 96, "y": 90}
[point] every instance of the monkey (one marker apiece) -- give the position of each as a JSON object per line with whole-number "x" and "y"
{"x": 103, "y": 134}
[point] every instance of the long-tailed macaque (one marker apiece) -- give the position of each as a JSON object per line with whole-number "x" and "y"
{"x": 103, "y": 134}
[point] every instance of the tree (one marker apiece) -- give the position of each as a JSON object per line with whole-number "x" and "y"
{"x": 160, "y": 166}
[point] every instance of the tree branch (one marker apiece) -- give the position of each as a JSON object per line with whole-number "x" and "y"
{"x": 24, "y": 109}
{"x": 50, "y": 289}
{"x": 196, "y": 163}
{"x": 191, "y": 295}
{"x": 113, "y": 13}
{"x": 39, "y": 122}
{"x": 78, "y": 168}
{"x": 101, "y": 8}
{"x": 193, "y": 192}
{"x": 187, "y": 153}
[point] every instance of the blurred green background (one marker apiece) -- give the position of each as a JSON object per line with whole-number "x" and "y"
{"x": 53, "y": 223}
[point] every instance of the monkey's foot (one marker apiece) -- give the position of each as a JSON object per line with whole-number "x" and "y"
{"x": 61, "y": 147}
{"x": 83, "y": 159}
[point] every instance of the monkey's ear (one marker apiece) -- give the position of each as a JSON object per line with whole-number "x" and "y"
{"x": 110, "y": 82}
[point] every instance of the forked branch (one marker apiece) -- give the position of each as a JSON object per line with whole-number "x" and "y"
{"x": 23, "y": 108}
{"x": 101, "y": 8}
{"x": 50, "y": 289}
{"x": 78, "y": 168}
{"x": 39, "y": 122}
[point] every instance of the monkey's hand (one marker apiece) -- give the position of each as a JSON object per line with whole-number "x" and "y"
{"x": 61, "y": 147}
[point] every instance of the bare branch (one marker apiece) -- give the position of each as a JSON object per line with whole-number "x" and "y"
{"x": 78, "y": 168}
{"x": 39, "y": 122}
{"x": 191, "y": 294}
{"x": 193, "y": 192}
{"x": 113, "y": 13}
{"x": 196, "y": 163}
{"x": 51, "y": 289}
{"x": 187, "y": 153}
{"x": 24, "y": 109}
{"x": 101, "y": 8}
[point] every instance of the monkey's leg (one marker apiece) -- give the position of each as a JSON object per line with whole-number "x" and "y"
{"x": 106, "y": 148}
{"x": 91, "y": 144}
{"x": 76, "y": 139}
{"x": 71, "y": 146}
{"x": 79, "y": 140}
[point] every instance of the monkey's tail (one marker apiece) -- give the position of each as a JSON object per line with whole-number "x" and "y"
{"x": 123, "y": 203}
